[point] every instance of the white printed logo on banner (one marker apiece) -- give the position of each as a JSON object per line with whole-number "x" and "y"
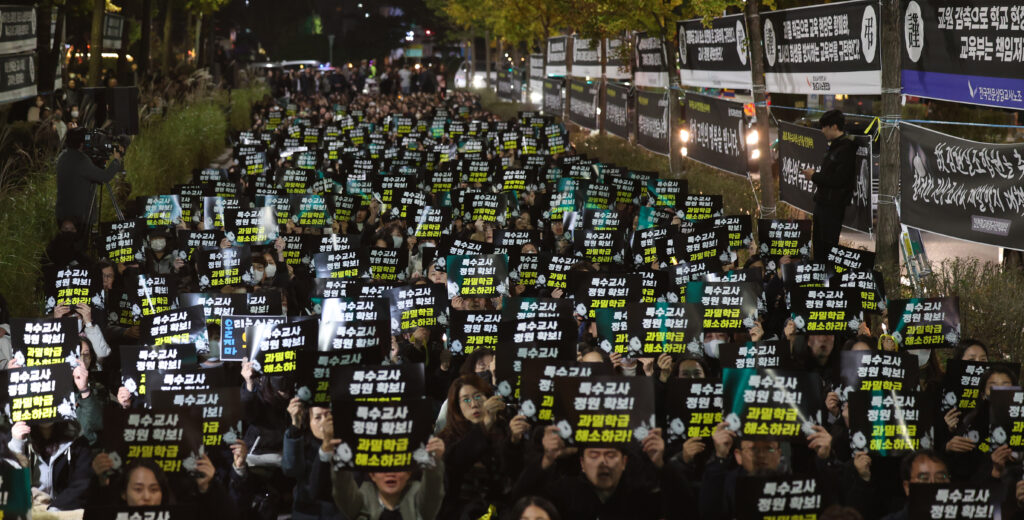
{"x": 741, "y": 41}
{"x": 769, "y": 42}
{"x": 869, "y": 33}
{"x": 913, "y": 31}
{"x": 682, "y": 44}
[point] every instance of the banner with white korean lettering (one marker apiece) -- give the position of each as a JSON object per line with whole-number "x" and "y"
{"x": 382, "y": 436}
{"x": 616, "y": 60}
{"x": 222, "y": 267}
{"x": 17, "y": 29}
{"x": 960, "y": 188}
{"x": 38, "y": 342}
{"x": 891, "y": 423}
{"x": 693, "y": 408}
{"x": 168, "y": 512}
{"x": 650, "y": 68}
{"x": 717, "y": 133}
{"x": 113, "y": 29}
{"x": 954, "y": 502}
{"x": 558, "y": 56}
{"x": 604, "y": 410}
{"x": 616, "y": 109}
{"x": 771, "y": 498}
{"x": 17, "y": 76}
{"x": 925, "y": 322}
{"x": 219, "y": 411}
{"x": 181, "y": 325}
{"x": 586, "y": 57}
{"x": 552, "y": 99}
{"x": 652, "y": 116}
{"x": 537, "y": 385}
{"x": 871, "y": 370}
{"x": 536, "y": 74}
{"x": 137, "y": 361}
{"x": 769, "y": 403}
{"x": 823, "y": 49}
{"x": 801, "y": 147}
{"x": 40, "y": 394}
{"x": 962, "y": 384}
{"x": 417, "y": 306}
{"x": 583, "y": 100}
{"x": 123, "y": 241}
{"x": 715, "y": 56}
{"x": 964, "y": 52}
{"x": 170, "y": 439}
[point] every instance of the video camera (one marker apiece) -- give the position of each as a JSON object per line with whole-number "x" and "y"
{"x": 100, "y": 144}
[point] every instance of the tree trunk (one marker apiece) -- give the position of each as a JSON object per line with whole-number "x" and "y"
{"x": 165, "y": 51}
{"x": 764, "y": 163}
{"x": 45, "y": 64}
{"x": 57, "y": 50}
{"x": 124, "y": 71}
{"x": 472, "y": 62}
{"x": 602, "y": 92}
{"x": 888, "y": 235}
{"x": 96, "y": 43}
{"x": 568, "y": 78}
{"x": 487, "y": 58}
{"x": 675, "y": 155}
{"x": 146, "y": 19}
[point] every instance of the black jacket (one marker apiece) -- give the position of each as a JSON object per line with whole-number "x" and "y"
{"x": 838, "y": 175}
{"x": 76, "y": 175}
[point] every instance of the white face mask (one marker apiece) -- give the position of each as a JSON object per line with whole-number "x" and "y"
{"x": 270, "y": 271}
{"x": 74, "y": 113}
{"x": 397, "y": 241}
{"x": 711, "y": 348}
{"x": 158, "y": 244}
{"x": 359, "y": 226}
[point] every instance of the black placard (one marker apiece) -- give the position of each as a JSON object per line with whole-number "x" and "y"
{"x": 962, "y": 382}
{"x": 171, "y": 439}
{"x": 604, "y": 410}
{"x": 181, "y": 325}
{"x": 509, "y": 360}
{"x": 778, "y": 238}
{"x": 649, "y": 329}
{"x": 870, "y": 370}
{"x": 583, "y": 100}
{"x": 417, "y": 306}
{"x": 925, "y": 322}
{"x": 727, "y": 305}
{"x": 469, "y": 331}
{"x": 40, "y": 394}
{"x": 593, "y": 291}
{"x": 714, "y": 56}
{"x": 652, "y": 115}
{"x": 650, "y": 68}
{"x": 718, "y": 131}
{"x": 869, "y": 284}
{"x": 1006, "y": 418}
{"x": 123, "y": 241}
{"x": 953, "y": 502}
{"x": 770, "y": 498}
{"x": 282, "y": 348}
{"x": 233, "y": 342}
{"x": 223, "y": 267}
{"x": 41, "y": 342}
{"x": 70, "y": 286}
{"x": 537, "y": 384}
{"x": 826, "y": 311}
{"x": 137, "y": 362}
{"x": 382, "y": 437}
{"x": 251, "y": 226}
{"x": 377, "y": 383}
{"x": 693, "y": 408}
{"x": 769, "y": 354}
{"x": 891, "y": 423}
{"x": 771, "y": 403}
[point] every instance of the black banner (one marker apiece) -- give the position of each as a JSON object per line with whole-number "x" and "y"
{"x": 891, "y": 423}
{"x": 583, "y": 101}
{"x": 874, "y": 371}
{"x": 378, "y": 383}
{"x": 604, "y": 410}
{"x": 505, "y": 88}
{"x": 717, "y": 133}
{"x": 960, "y": 188}
{"x": 40, "y": 394}
{"x": 650, "y": 68}
{"x": 716, "y": 56}
{"x": 182, "y": 325}
{"x": 558, "y": 56}
{"x": 616, "y": 110}
{"x": 170, "y": 439}
{"x": 771, "y": 404}
{"x": 17, "y": 29}
{"x": 586, "y": 57}
{"x": 962, "y": 384}
{"x": 17, "y": 76}
{"x": 823, "y": 49}
{"x": 383, "y": 437}
{"x": 553, "y": 103}
{"x": 652, "y": 116}
{"x": 964, "y": 52}
{"x": 925, "y": 322}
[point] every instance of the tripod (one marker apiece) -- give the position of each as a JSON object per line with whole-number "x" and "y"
{"x": 95, "y": 208}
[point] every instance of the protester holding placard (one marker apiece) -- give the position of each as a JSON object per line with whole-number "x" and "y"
{"x": 301, "y": 460}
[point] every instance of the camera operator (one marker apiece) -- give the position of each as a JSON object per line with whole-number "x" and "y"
{"x": 77, "y": 177}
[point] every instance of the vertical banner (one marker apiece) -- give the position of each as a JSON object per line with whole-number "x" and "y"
{"x": 716, "y": 56}
{"x": 113, "y": 28}
{"x": 586, "y": 57}
{"x": 583, "y": 98}
{"x": 649, "y": 64}
{"x": 504, "y": 85}
{"x": 17, "y": 29}
{"x": 616, "y": 110}
{"x": 801, "y": 147}
{"x": 823, "y": 49}
{"x": 718, "y": 132}
{"x": 965, "y": 52}
{"x": 960, "y": 188}
{"x": 553, "y": 104}
{"x": 536, "y": 77}
{"x": 616, "y": 61}
{"x": 557, "y": 56}
{"x": 17, "y": 77}
{"x": 652, "y": 122}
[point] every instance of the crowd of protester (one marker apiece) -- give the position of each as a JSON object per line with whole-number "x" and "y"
{"x": 488, "y": 460}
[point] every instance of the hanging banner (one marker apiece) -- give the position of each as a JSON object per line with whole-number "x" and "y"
{"x": 716, "y": 56}
{"x": 718, "y": 131}
{"x": 553, "y": 104}
{"x": 617, "y": 62}
{"x": 823, "y": 49}
{"x": 113, "y": 29}
{"x": 17, "y": 77}
{"x": 503, "y": 86}
{"x": 801, "y": 147}
{"x": 557, "y": 56}
{"x": 17, "y": 29}
{"x": 616, "y": 110}
{"x": 650, "y": 67}
{"x": 583, "y": 99}
{"x": 652, "y": 116}
{"x": 960, "y": 188}
{"x": 586, "y": 57}
{"x": 969, "y": 53}
{"x": 536, "y": 75}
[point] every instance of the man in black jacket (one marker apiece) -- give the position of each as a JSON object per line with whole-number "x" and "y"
{"x": 835, "y": 182}
{"x": 77, "y": 178}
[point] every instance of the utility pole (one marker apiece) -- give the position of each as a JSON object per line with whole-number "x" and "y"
{"x": 888, "y": 233}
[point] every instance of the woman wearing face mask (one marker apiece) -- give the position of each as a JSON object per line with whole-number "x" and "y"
{"x": 300, "y": 460}
{"x": 966, "y": 440}
{"x": 159, "y": 259}
{"x": 86, "y": 326}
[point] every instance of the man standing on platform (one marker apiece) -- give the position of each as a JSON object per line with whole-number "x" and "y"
{"x": 835, "y": 182}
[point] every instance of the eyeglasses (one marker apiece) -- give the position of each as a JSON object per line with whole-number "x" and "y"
{"x": 477, "y": 397}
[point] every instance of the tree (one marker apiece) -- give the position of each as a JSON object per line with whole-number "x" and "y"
{"x": 96, "y": 42}
{"x": 887, "y": 239}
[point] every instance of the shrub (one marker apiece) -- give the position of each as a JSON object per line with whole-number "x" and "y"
{"x": 242, "y": 100}
{"x": 26, "y": 225}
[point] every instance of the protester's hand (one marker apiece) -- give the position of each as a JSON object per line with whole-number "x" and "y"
{"x": 124, "y": 397}
{"x": 247, "y": 372}
{"x": 832, "y": 404}
{"x": 664, "y": 367}
{"x": 654, "y": 447}
{"x": 296, "y": 410}
{"x": 1020, "y": 492}
{"x": 518, "y": 426}
{"x": 61, "y": 310}
{"x": 327, "y": 434}
{"x": 239, "y": 451}
{"x": 492, "y": 406}
{"x": 85, "y": 311}
{"x": 279, "y": 245}
{"x": 132, "y": 332}
{"x": 1001, "y": 456}
{"x": 20, "y": 430}
{"x": 862, "y": 463}
{"x": 557, "y": 292}
{"x": 808, "y": 172}
{"x": 952, "y": 418}
{"x": 692, "y": 447}
{"x": 435, "y": 447}
{"x": 205, "y": 469}
{"x": 178, "y": 264}
{"x": 225, "y": 243}
{"x": 101, "y": 464}
{"x": 723, "y": 438}
{"x": 81, "y": 376}
{"x": 553, "y": 446}
{"x": 756, "y": 332}
{"x": 790, "y": 330}
{"x": 959, "y": 444}
{"x": 820, "y": 442}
